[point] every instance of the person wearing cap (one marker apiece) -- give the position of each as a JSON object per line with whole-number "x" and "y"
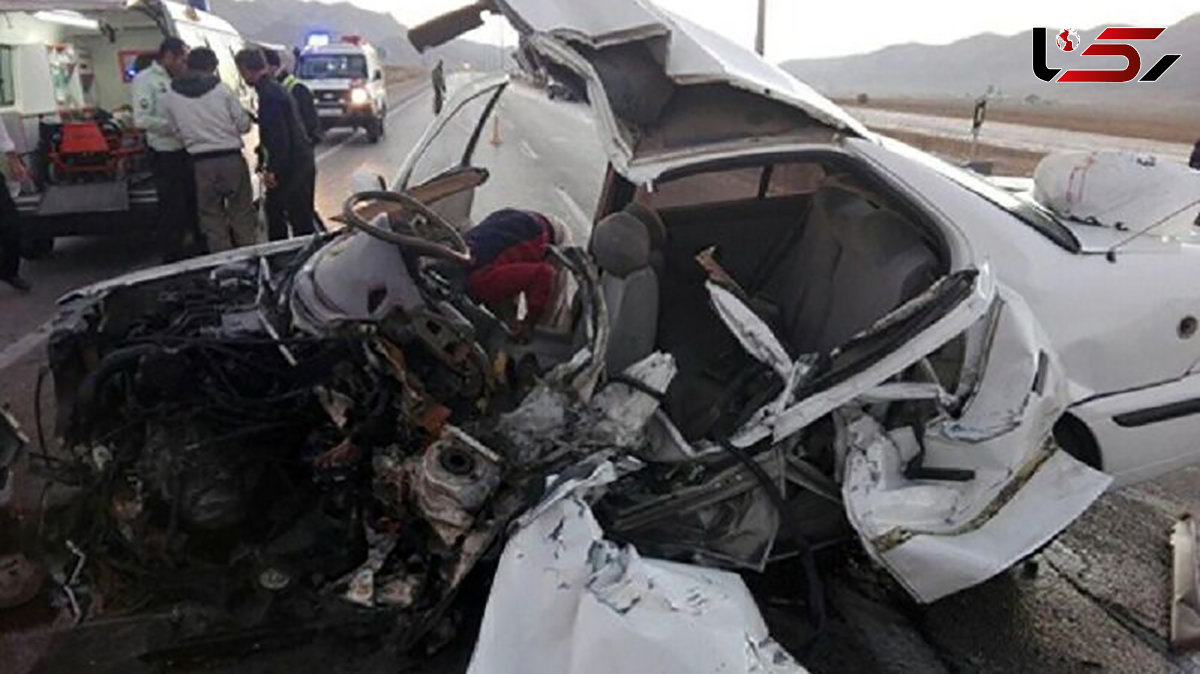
{"x": 172, "y": 167}
{"x": 509, "y": 252}
{"x": 10, "y": 220}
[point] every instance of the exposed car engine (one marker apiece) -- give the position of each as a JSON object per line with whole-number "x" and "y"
{"x": 277, "y": 441}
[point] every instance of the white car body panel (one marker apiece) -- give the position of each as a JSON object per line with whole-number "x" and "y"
{"x": 938, "y": 537}
{"x": 1097, "y": 313}
{"x": 1136, "y": 449}
{"x": 941, "y": 536}
{"x": 586, "y": 605}
{"x": 693, "y": 54}
{"x": 1136, "y": 194}
{"x": 690, "y": 55}
{"x": 933, "y": 566}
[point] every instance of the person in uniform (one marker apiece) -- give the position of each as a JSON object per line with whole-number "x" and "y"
{"x": 305, "y": 103}
{"x": 10, "y": 222}
{"x": 290, "y": 170}
{"x": 177, "y": 223}
{"x": 277, "y": 205}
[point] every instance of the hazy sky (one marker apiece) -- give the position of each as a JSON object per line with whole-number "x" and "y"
{"x": 815, "y": 28}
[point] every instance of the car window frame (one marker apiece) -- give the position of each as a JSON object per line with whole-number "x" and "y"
{"x": 433, "y": 135}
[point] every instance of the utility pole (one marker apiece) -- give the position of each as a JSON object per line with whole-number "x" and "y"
{"x": 760, "y": 41}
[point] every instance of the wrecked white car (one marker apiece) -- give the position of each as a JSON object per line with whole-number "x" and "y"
{"x": 782, "y": 325}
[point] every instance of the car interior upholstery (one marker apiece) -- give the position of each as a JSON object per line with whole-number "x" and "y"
{"x": 621, "y": 245}
{"x": 819, "y": 268}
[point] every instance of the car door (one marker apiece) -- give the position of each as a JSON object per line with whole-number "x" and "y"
{"x": 442, "y": 157}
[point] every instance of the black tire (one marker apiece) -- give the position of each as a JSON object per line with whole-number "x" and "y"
{"x": 374, "y": 131}
{"x": 37, "y": 247}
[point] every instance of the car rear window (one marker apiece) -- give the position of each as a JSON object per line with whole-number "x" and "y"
{"x": 784, "y": 179}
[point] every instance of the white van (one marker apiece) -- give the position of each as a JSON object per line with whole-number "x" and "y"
{"x": 66, "y": 73}
{"x": 348, "y": 85}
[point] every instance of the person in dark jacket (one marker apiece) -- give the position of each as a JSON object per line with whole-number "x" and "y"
{"x": 1194, "y": 162}
{"x": 508, "y": 259}
{"x": 289, "y": 171}
{"x": 301, "y": 93}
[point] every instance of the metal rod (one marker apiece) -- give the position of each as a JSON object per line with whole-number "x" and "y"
{"x": 760, "y": 40}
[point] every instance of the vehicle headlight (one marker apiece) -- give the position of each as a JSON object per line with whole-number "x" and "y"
{"x": 359, "y": 96}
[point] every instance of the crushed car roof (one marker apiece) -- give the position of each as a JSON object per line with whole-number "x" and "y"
{"x": 693, "y": 55}
{"x": 661, "y": 88}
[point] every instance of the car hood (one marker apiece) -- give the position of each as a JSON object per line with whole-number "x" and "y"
{"x": 660, "y": 86}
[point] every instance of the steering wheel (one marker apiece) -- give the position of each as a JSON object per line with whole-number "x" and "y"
{"x": 421, "y": 230}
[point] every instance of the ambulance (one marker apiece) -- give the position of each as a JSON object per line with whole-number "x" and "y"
{"x": 347, "y": 81}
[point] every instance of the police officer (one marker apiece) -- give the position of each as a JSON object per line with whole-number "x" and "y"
{"x": 305, "y": 104}
{"x": 282, "y": 199}
{"x": 289, "y": 170}
{"x": 173, "y": 178}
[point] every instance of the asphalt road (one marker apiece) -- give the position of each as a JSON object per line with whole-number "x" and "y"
{"x": 1015, "y": 136}
{"x": 1095, "y": 600}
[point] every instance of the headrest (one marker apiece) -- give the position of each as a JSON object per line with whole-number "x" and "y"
{"x": 653, "y": 222}
{"x": 621, "y": 244}
{"x": 833, "y": 197}
{"x": 883, "y": 232}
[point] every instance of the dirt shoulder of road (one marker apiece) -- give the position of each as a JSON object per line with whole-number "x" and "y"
{"x": 1005, "y": 161}
{"x": 1169, "y": 124}
{"x": 396, "y": 74}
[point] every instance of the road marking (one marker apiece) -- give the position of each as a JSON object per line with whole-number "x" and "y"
{"x": 528, "y": 150}
{"x": 400, "y": 107}
{"x": 16, "y": 351}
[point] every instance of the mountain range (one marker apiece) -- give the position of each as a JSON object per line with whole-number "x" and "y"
{"x": 289, "y": 22}
{"x": 970, "y": 66}
{"x": 965, "y": 68}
